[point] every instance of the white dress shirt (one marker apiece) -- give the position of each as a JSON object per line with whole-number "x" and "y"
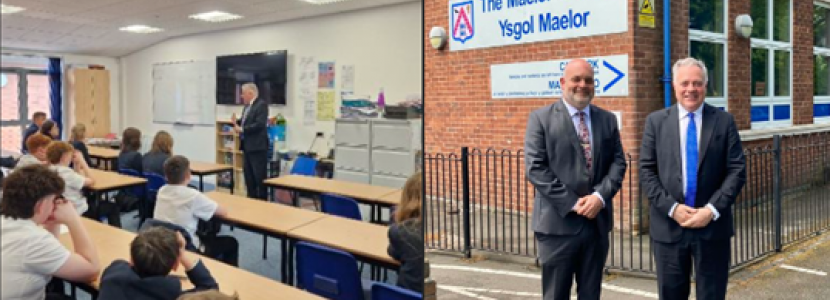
{"x": 572, "y": 111}
{"x": 684, "y": 125}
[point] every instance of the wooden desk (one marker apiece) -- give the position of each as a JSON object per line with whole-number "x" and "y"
{"x": 108, "y": 156}
{"x": 393, "y": 198}
{"x": 113, "y": 243}
{"x": 364, "y": 193}
{"x": 106, "y": 181}
{"x": 269, "y": 219}
{"x": 202, "y": 168}
{"x": 369, "y": 242}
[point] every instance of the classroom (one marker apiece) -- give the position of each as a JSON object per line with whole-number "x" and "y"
{"x": 212, "y": 149}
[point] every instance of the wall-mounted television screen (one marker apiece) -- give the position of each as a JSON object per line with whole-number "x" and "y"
{"x": 268, "y": 70}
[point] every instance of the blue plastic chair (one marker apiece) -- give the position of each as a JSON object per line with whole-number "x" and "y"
{"x": 139, "y": 191}
{"x": 383, "y": 291}
{"x": 327, "y": 272}
{"x": 340, "y": 206}
{"x": 154, "y": 184}
{"x": 304, "y": 165}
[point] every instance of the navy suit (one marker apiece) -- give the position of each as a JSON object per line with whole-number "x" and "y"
{"x": 254, "y": 123}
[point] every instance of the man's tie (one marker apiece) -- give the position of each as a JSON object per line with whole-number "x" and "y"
{"x": 244, "y": 114}
{"x": 691, "y": 161}
{"x": 585, "y": 139}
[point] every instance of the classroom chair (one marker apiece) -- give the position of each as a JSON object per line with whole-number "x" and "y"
{"x": 154, "y": 184}
{"x": 340, "y": 206}
{"x": 329, "y": 273}
{"x": 384, "y": 291}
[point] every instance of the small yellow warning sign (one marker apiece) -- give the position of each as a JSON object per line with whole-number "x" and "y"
{"x": 647, "y": 8}
{"x": 646, "y": 14}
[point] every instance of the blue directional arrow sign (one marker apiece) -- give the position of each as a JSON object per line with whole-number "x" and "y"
{"x": 620, "y": 75}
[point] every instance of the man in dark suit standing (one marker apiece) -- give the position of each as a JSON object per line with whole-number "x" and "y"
{"x": 253, "y": 130}
{"x": 575, "y": 160}
{"x": 692, "y": 168}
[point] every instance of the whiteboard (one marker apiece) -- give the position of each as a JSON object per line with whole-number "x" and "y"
{"x": 185, "y": 93}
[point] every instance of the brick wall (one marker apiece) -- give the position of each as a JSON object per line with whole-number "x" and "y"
{"x": 460, "y": 111}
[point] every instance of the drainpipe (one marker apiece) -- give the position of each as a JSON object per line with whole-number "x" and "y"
{"x": 666, "y": 53}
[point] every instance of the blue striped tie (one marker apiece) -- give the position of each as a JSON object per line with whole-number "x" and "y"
{"x": 691, "y": 161}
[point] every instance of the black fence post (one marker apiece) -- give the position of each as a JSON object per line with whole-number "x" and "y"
{"x": 465, "y": 187}
{"x": 776, "y": 189}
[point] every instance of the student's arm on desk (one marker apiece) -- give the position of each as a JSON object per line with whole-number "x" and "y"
{"x": 83, "y": 265}
{"x": 196, "y": 271}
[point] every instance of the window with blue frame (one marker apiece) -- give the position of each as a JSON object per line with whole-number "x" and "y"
{"x": 821, "y": 62}
{"x": 771, "y": 63}
{"x": 707, "y": 43}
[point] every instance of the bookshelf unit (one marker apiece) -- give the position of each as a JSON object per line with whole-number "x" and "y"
{"x": 227, "y": 152}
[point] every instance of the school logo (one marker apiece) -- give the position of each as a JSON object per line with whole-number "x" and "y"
{"x": 462, "y": 21}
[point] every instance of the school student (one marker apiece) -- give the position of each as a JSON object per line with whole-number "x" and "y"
{"x": 154, "y": 253}
{"x": 406, "y": 240}
{"x": 130, "y": 158}
{"x": 50, "y": 129}
{"x": 36, "y": 155}
{"x": 37, "y": 120}
{"x": 60, "y": 155}
{"x": 76, "y": 138}
{"x": 31, "y": 213}
{"x": 162, "y": 149}
{"x": 184, "y": 206}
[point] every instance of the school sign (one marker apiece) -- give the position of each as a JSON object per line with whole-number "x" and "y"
{"x": 491, "y": 23}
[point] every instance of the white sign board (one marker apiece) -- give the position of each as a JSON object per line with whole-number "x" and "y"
{"x": 489, "y": 23}
{"x": 540, "y": 79}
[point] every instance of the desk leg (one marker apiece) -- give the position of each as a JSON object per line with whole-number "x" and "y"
{"x": 291, "y": 248}
{"x": 201, "y": 183}
{"x": 233, "y": 184}
{"x": 295, "y": 198}
{"x": 284, "y": 260}
{"x": 264, "y": 246}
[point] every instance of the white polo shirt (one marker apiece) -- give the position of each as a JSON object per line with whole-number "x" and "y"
{"x": 74, "y": 187}
{"x": 30, "y": 255}
{"x": 184, "y": 206}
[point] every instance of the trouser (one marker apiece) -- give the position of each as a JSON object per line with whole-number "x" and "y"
{"x": 674, "y": 266}
{"x": 565, "y": 257}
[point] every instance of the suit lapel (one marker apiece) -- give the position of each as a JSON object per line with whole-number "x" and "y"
{"x": 673, "y": 136}
{"x": 709, "y": 122}
{"x": 596, "y": 140}
{"x": 567, "y": 125}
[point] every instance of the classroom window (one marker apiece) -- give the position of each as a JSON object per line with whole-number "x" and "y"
{"x": 706, "y": 15}
{"x": 707, "y": 43}
{"x": 771, "y": 63}
{"x": 821, "y": 62}
{"x": 25, "y": 89}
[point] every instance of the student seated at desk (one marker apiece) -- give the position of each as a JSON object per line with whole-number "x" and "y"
{"x": 36, "y": 144}
{"x": 181, "y": 205}
{"x": 32, "y": 212}
{"x": 60, "y": 155}
{"x": 51, "y": 130}
{"x": 162, "y": 149}
{"x": 154, "y": 253}
{"x": 130, "y": 158}
{"x": 77, "y": 140}
{"x": 406, "y": 241}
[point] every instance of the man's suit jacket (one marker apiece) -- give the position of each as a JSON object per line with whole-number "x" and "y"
{"x": 721, "y": 171}
{"x": 255, "y": 128}
{"x": 555, "y": 165}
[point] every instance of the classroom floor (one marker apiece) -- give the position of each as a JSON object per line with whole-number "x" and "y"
{"x": 250, "y": 249}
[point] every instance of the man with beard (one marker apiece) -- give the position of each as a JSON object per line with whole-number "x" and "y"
{"x": 575, "y": 184}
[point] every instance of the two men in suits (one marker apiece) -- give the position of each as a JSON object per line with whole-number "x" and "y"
{"x": 692, "y": 168}
{"x": 252, "y": 128}
{"x": 574, "y": 159}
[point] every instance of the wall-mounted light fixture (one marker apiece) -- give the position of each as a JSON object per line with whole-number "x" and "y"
{"x": 743, "y": 26}
{"x": 437, "y": 37}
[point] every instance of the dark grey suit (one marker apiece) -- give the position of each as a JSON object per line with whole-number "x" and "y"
{"x": 721, "y": 175}
{"x": 570, "y": 244}
{"x": 255, "y": 146}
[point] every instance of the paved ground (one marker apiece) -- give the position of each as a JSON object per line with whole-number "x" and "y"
{"x": 800, "y": 272}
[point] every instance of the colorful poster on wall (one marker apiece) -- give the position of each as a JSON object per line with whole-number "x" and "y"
{"x": 325, "y": 105}
{"x": 326, "y": 75}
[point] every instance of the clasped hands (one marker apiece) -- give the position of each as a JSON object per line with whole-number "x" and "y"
{"x": 588, "y": 206}
{"x": 689, "y": 217}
